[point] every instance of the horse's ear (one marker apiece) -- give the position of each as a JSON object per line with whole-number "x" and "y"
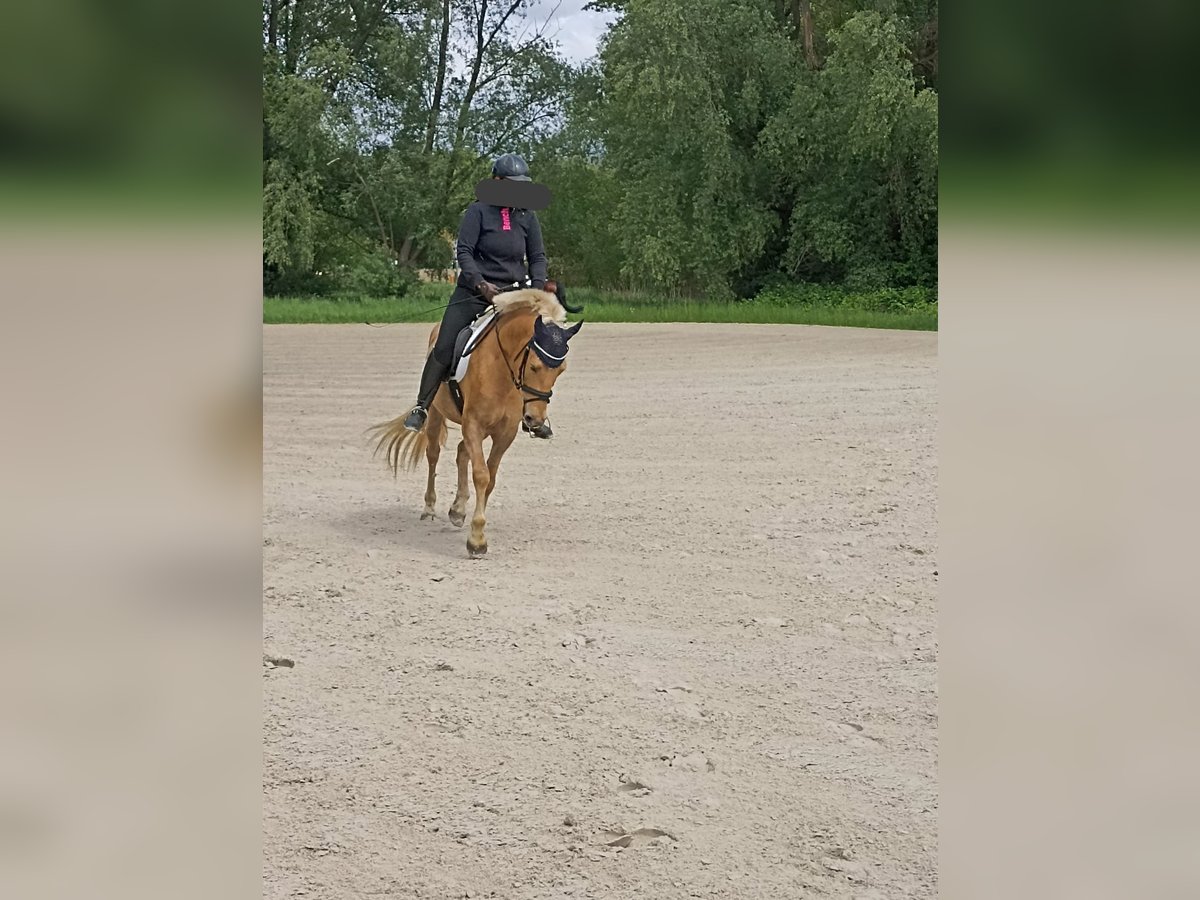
{"x": 574, "y": 329}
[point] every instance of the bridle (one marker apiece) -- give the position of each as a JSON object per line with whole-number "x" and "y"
{"x": 533, "y": 395}
{"x": 530, "y": 394}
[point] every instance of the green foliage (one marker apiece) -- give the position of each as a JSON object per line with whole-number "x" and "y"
{"x": 582, "y": 232}
{"x": 889, "y": 300}
{"x": 688, "y": 84}
{"x": 291, "y": 180}
{"x": 738, "y": 161}
{"x": 376, "y": 275}
{"x": 715, "y": 149}
{"x": 857, "y": 147}
{"x": 422, "y": 305}
{"x": 369, "y": 154}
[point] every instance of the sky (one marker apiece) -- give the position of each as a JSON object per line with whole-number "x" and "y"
{"x": 575, "y": 30}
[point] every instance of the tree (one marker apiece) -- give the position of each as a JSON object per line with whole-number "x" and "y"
{"x": 714, "y": 146}
{"x": 747, "y": 151}
{"x": 857, "y": 149}
{"x": 687, "y": 88}
{"x": 376, "y": 125}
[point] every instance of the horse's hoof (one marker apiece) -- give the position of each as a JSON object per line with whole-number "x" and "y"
{"x": 477, "y": 549}
{"x": 426, "y": 515}
{"x": 457, "y": 519}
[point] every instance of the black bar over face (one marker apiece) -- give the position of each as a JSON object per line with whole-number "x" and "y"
{"x": 516, "y": 194}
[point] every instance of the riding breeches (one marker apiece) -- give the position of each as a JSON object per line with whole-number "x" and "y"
{"x": 464, "y": 307}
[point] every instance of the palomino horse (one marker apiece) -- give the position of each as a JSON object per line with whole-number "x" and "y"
{"x": 508, "y": 384}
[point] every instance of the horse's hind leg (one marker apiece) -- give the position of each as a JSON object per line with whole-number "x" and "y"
{"x": 433, "y": 451}
{"x": 458, "y": 509}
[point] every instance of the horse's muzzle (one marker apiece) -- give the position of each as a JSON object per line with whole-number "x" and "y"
{"x": 537, "y": 429}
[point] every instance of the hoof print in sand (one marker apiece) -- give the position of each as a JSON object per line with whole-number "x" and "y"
{"x": 691, "y": 762}
{"x": 675, "y": 690}
{"x": 633, "y": 786}
{"x": 643, "y": 837}
{"x": 853, "y": 871}
{"x": 577, "y": 640}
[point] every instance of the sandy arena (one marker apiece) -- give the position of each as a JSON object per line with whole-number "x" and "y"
{"x": 700, "y": 659}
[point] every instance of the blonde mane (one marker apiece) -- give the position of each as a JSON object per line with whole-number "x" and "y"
{"x": 543, "y": 303}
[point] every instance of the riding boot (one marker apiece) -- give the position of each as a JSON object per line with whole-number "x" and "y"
{"x": 431, "y": 379}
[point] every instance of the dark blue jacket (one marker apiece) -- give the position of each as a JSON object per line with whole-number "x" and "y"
{"x": 500, "y": 245}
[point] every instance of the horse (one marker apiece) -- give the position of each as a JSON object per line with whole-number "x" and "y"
{"x": 508, "y": 386}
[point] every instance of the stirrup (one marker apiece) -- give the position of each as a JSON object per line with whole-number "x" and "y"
{"x": 416, "y": 419}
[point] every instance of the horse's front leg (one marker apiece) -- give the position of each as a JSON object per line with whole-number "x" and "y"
{"x": 476, "y": 541}
{"x": 433, "y": 451}
{"x": 458, "y": 509}
{"x": 500, "y": 445}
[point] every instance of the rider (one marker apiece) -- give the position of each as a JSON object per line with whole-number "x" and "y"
{"x": 496, "y": 245}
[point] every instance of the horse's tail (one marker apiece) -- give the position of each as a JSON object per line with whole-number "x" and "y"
{"x": 404, "y": 448}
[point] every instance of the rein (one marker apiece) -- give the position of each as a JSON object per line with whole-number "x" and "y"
{"x": 519, "y": 380}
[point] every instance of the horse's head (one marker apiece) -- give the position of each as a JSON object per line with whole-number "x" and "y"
{"x": 544, "y": 364}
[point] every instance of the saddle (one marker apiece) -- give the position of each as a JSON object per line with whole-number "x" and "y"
{"x": 468, "y": 339}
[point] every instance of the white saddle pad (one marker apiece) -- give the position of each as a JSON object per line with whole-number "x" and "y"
{"x": 477, "y": 327}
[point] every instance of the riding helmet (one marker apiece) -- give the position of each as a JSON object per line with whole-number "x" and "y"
{"x": 512, "y": 167}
